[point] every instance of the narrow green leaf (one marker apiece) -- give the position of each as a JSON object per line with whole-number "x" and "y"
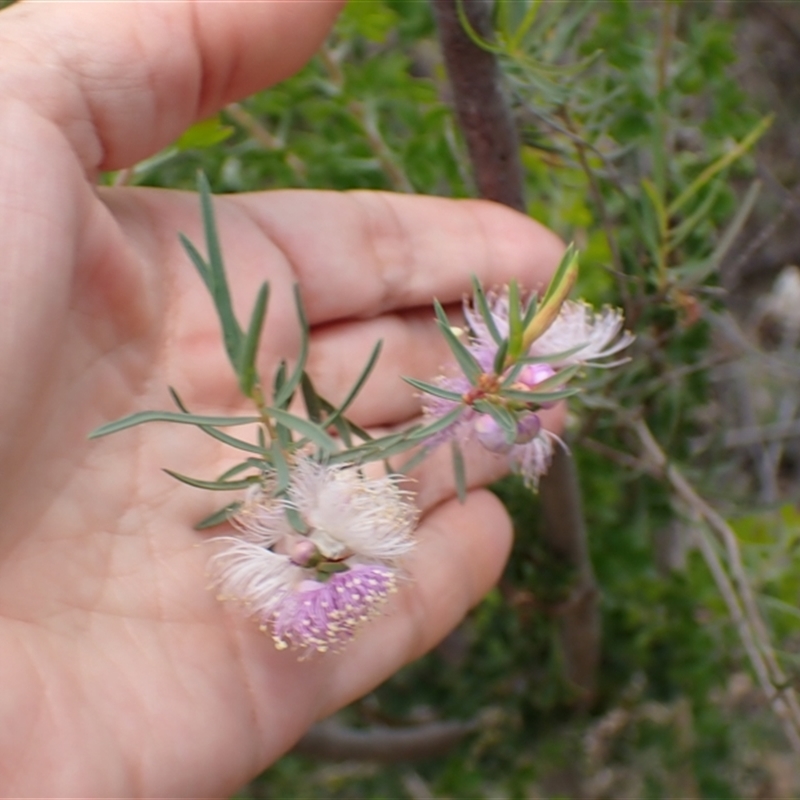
{"x": 515, "y": 329}
{"x": 565, "y": 266}
{"x": 287, "y": 390}
{"x": 142, "y": 417}
{"x": 311, "y": 399}
{"x": 218, "y": 517}
{"x": 414, "y": 461}
{"x": 483, "y": 308}
{"x": 735, "y": 153}
{"x": 469, "y": 365}
{"x": 550, "y": 358}
{"x": 280, "y": 377}
{"x": 500, "y": 357}
{"x": 559, "y": 379}
{"x": 436, "y": 391}
{"x": 426, "y": 431}
{"x": 557, "y": 292}
{"x": 540, "y": 398}
{"x": 214, "y": 486}
{"x": 198, "y": 261}
{"x": 305, "y": 428}
{"x": 530, "y": 310}
{"x": 231, "y": 332}
{"x": 296, "y": 521}
{"x": 248, "y": 377}
{"x": 249, "y": 463}
{"x": 360, "y": 381}
{"x": 240, "y": 444}
{"x": 459, "y": 471}
{"x": 282, "y": 471}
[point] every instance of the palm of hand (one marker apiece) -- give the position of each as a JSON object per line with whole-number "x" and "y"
{"x": 115, "y": 649}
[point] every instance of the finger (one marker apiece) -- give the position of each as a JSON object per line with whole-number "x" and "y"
{"x": 362, "y": 253}
{"x": 355, "y": 255}
{"x": 460, "y": 556}
{"x": 123, "y": 80}
{"x": 411, "y": 346}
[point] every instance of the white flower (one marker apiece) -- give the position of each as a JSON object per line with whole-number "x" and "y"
{"x": 597, "y": 335}
{"x": 254, "y": 575}
{"x": 313, "y": 589}
{"x": 532, "y": 459}
{"x": 351, "y": 514}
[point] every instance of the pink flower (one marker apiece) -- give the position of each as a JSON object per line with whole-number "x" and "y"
{"x": 326, "y": 615}
{"x": 313, "y": 588}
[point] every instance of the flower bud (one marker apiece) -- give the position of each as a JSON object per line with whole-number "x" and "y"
{"x": 528, "y": 428}
{"x": 491, "y": 435}
{"x": 303, "y": 553}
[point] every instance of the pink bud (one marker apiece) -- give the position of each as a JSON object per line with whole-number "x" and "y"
{"x": 528, "y": 428}
{"x": 303, "y": 552}
{"x": 491, "y": 435}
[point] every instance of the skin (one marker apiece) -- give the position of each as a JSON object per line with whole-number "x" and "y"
{"x": 121, "y": 673}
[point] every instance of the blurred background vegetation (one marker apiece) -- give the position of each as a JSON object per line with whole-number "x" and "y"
{"x": 646, "y": 139}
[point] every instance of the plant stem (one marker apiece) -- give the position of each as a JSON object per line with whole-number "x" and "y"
{"x": 493, "y": 145}
{"x": 734, "y": 588}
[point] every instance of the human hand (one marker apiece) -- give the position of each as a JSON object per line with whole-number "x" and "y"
{"x": 122, "y": 674}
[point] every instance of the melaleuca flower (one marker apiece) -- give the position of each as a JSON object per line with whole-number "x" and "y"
{"x": 312, "y": 564}
{"x": 349, "y": 513}
{"x": 515, "y": 360}
{"x": 592, "y": 336}
{"x": 325, "y": 615}
{"x": 578, "y": 335}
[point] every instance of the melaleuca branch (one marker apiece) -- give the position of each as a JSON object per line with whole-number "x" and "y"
{"x": 493, "y": 145}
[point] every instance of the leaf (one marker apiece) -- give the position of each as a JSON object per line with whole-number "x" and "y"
{"x": 515, "y": 343}
{"x": 426, "y": 431}
{"x": 469, "y": 365}
{"x": 433, "y": 389}
{"x": 484, "y": 310}
{"x": 540, "y": 398}
{"x": 240, "y": 444}
{"x": 214, "y": 486}
{"x": 204, "y": 134}
{"x": 231, "y": 332}
{"x": 287, "y": 390}
{"x": 500, "y": 357}
{"x": 357, "y": 386}
{"x": 304, "y": 427}
{"x": 142, "y": 417}
{"x": 734, "y": 154}
{"x": 248, "y": 377}
{"x": 255, "y": 463}
{"x": 557, "y": 292}
{"x": 459, "y": 471}
{"x": 282, "y": 471}
{"x": 295, "y": 520}
{"x": 198, "y": 261}
{"x": 218, "y": 517}
{"x": 311, "y": 399}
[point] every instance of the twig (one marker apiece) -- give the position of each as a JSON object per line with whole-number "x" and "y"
{"x": 735, "y": 589}
{"x": 259, "y": 133}
{"x": 332, "y": 740}
{"x": 493, "y": 145}
{"x": 365, "y": 116}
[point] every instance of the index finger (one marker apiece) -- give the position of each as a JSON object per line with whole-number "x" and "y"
{"x": 360, "y": 254}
